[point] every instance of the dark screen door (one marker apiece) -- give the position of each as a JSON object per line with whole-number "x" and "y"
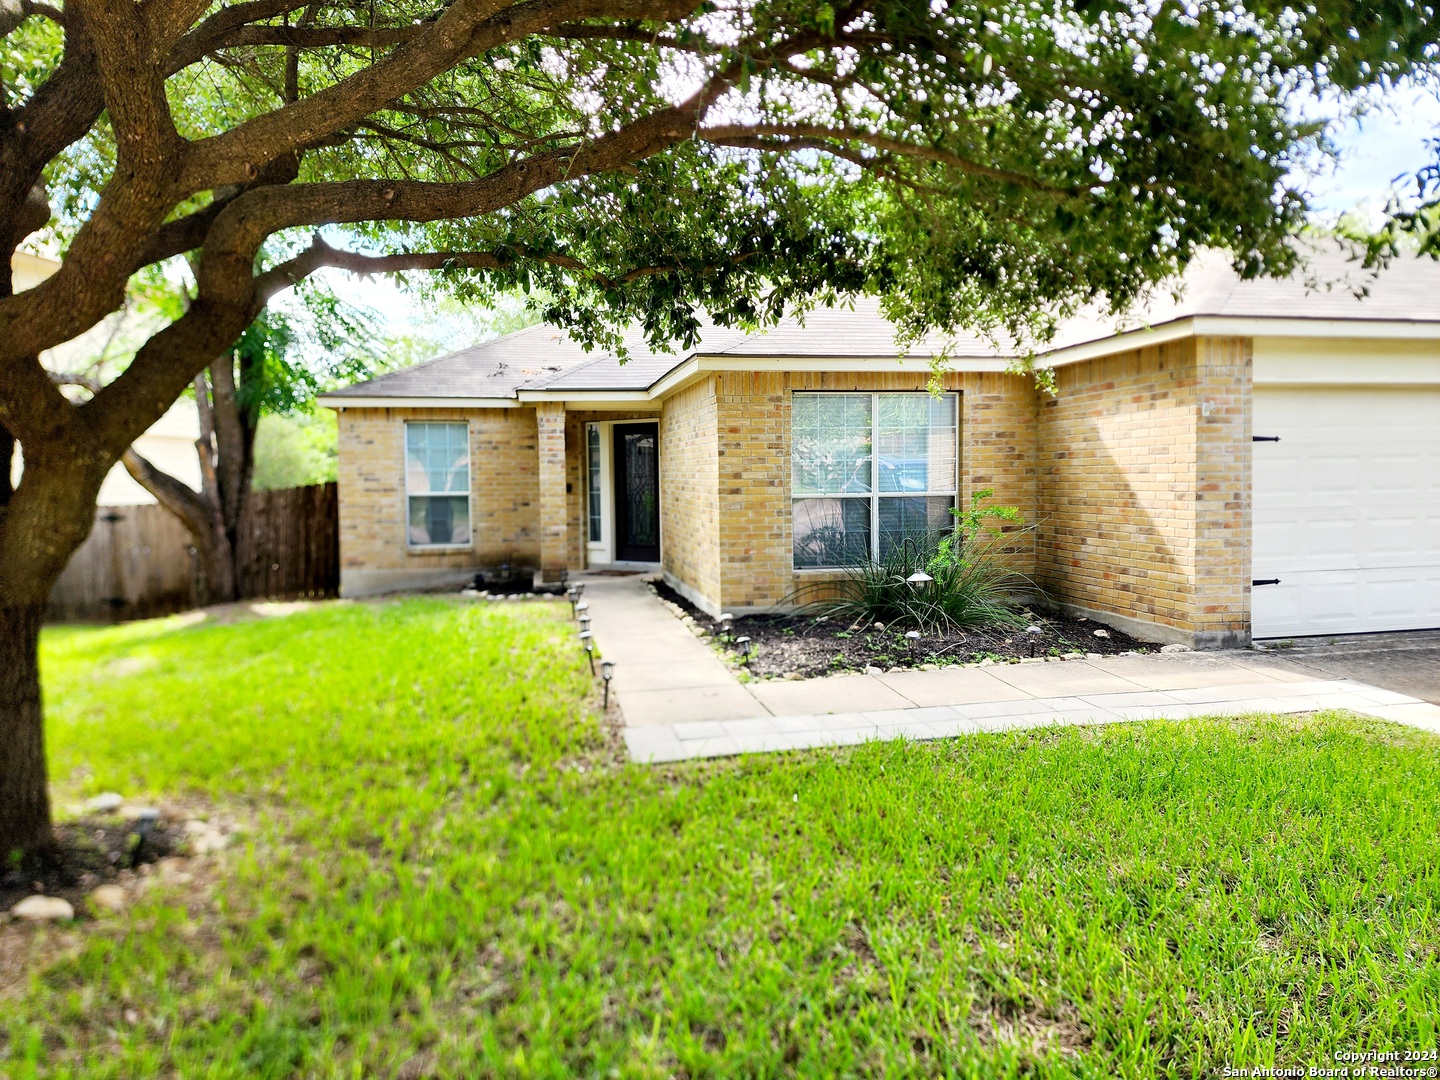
{"x": 637, "y": 492}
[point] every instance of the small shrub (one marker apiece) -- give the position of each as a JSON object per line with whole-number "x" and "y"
{"x": 970, "y": 585}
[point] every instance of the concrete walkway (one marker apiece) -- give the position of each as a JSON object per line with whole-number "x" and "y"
{"x": 1406, "y": 661}
{"x": 663, "y": 672}
{"x": 680, "y": 701}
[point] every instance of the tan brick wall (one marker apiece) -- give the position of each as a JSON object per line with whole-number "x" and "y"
{"x": 504, "y": 491}
{"x": 690, "y": 492}
{"x": 554, "y": 500}
{"x": 997, "y": 422}
{"x": 1223, "y": 497}
{"x": 1136, "y": 474}
{"x": 1128, "y": 527}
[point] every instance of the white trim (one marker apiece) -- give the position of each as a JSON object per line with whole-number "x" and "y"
{"x": 916, "y": 365}
{"x": 874, "y": 495}
{"x": 1265, "y": 326}
{"x": 601, "y": 551}
{"x": 379, "y": 401}
{"x": 700, "y": 365}
{"x": 1305, "y": 362}
{"x": 677, "y": 378}
{"x": 427, "y": 549}
{"x": 590, "y": 399}
{"x": 1251, "y": 327}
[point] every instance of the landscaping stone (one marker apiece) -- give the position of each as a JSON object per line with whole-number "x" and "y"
{"x": 136, "y": 812}
{"x": 207, "y": 841}
{"x": 43, "y": 909}
{"x": 105, "y": 803}
{"x": 110, "y": 898}
{"x": 873, "y": 671}
{"x": 1177, "y": 647}
{"x": 172, "y": 869}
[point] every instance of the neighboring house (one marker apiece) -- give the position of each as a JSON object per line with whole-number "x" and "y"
{"x": 754, "y": 463}
{"x": 169, "y": 443}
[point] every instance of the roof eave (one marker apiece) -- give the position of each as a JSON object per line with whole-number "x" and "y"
{"x": 391, "y": 401}
{"x": 1240, "y": 326}
{"x": 591, "y": 398}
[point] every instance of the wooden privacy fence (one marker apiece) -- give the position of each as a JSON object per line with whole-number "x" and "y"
{"x": 138, "y": 560}
{"x": 292, "y": 548}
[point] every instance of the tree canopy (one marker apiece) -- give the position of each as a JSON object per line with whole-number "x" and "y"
{"x": 988, "y": 163}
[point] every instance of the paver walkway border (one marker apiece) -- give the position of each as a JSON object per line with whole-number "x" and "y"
{"x": 680, "y": 701}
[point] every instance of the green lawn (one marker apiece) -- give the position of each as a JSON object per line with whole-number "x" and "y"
{"x": 447, "y": 866}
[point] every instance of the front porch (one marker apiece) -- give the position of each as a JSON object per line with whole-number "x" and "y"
{"x": 599, "y": 473}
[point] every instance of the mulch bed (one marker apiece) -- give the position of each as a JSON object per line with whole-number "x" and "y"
{"x": 803, "y": 647}
{"x": 88, "y": 852}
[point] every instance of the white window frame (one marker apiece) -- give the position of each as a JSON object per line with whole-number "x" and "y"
{"x": 469, "y": 543}
{"x": 874, "y": 495}
{"x": 601, "y": 552}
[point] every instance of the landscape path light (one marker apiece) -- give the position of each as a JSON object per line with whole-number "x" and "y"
{"x": 919, "y": 578}
{"x": 912, "y": 638}
{"x": 744, "y": 644}
{"x": 725, "y": 620}
{"x": 573, "y": 595}
{"x": 588, "y": 640}
{"x": 584, "y": 623}
{"x": 144, "y": 825}
{"x": 1033, "y": 632}
{"x": 607, "y": 672}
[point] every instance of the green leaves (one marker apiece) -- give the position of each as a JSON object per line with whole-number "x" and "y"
{"x": 292, "y": 353}
{"x": 990, "y": 165}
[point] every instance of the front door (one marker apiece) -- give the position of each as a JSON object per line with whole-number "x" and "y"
{"x": 637, "y": 492}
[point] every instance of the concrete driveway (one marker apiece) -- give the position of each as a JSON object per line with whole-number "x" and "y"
{"x": 1407, "y": 663}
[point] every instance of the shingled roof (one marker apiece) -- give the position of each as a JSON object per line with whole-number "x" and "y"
{"x": 1331, "y": 287}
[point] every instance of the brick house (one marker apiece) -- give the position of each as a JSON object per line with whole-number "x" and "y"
{"x": 1250, "y": 458}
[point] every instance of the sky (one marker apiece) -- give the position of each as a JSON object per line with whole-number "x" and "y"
{"x": 1374, "y": 149}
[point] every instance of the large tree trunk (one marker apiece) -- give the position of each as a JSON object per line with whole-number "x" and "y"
{"x": 47, "y": 517}
{"x": 24, "y": 799}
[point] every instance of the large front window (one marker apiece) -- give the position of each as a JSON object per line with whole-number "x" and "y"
{"x": 437, "y": 483}
{"x": 868, "y": 470}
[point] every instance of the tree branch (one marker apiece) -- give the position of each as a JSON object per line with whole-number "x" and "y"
{"x": 179, "y": 498}
{"x": 831, "y": 140}
{"x": 133, "y": 87}
{"x": 14, "y": 12}
{"x": 210, "y": 34}
{"x": 75, "y": 378}
{"x": 317, "y": 37}
{"x": 467, "y": 28}
{"x": 320, "y": 254}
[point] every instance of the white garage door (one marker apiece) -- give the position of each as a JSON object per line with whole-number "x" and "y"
{"x": 1347, "y": 510}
